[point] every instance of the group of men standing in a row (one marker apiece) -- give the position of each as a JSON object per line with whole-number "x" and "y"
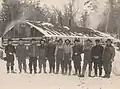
{"x": 61, "y": 54}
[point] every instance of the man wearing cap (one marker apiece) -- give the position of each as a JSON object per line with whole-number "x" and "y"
{"x": 10, "y": 51}
{"x": 42, "y": 56}
{"x": 87, "y": 57}
{"x": 108, "y": 58}
{"x": 77, "y": 51}
{"x": 67, "y": 56}
{"x": 21, "y": 53}
{"x": 50, "y": 54}
{"x": 59, "y": 54}
{"x": 33, "y": 54}
{"x": 97, "y": 52}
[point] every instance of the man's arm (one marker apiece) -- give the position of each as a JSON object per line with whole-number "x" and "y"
{"x": 56, "y": 49}
{"x": 113, "y": 52}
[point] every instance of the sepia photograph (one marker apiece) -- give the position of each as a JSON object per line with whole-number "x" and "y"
{"x": 59, "y": 44}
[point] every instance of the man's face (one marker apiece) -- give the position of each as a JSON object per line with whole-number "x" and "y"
{"x": 76, "y": 43}
{"x": 67, "y": 42}
{"x": 51, "y": 41}
{"x": 88, "y": 42}
{"x": 97, "y": 43}
{"x": 10, "y": 42}
{"x": 42, "y": 42}
{"x": 108, "y": 43}
{"x": 60, "y": 42}
{"x": 33, "y": 42}
{"x": 20, "y": 42}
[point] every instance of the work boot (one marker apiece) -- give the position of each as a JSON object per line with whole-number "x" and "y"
{"x": 81, "y": 75}
{"x": 69, "y": 72}
{"x": 30, "y": 72}
{"x": 45, "y": 71}
{"x": 105, "y": 76}
{"x": 20, "y": 71}
{"x": 89, "y": 75}
{"x": 8, "y": 71}
{"x": 75, "y": 73}
{"x": 39, "y": 71}
{"x": 53, "y": 70}
{"x": 13, "y": 72}
{"x": 50, "y": 71}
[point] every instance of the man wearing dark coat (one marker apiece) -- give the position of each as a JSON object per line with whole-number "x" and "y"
{"x": 59, "y": 55}
{"x": 51, "y": 57}
{"x": 10, "y": 51}
{"x": 33, "y": 55}
{"x": 77, "y": 51}
{"x": 108, "y": 58}
{"x": 87, "y": 58}
{"x": 97, "y": 52}
{"x": 42, "y": 56}
{"x": 21, "y": 54}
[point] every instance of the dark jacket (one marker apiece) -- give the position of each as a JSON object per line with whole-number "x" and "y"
{"x": 97, "y": 51}
{"x": 21, "y": 51}
{"x": 10, "y": 49}
{"x": 87, "y": 52}
{"x": 77, "y": 51}
{"x": 109, "y": 53}
{"x": 42, "y": 51}
{"x": 51, "y": 49}
{"x": 33, "y": 50}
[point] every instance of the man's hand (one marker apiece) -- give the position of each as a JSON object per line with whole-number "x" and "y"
{"x": 55, "y": 57}
{"x": 112, "y": 60}
{"x": 76, "y": 53}
{"x": 71, "y": 59}
{"x": 10, "y": 53}
{"x": 96, "y": 57}
{"x": 46, "y": 58}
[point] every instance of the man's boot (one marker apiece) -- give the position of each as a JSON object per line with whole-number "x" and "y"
{"x": 75, "y": 72}
{"x": 53, "y": 69}
{"x": 20, "y": 71}
{"x": 8, "y": 70}
{"x": 50, "y": 70}
{"x": 12, "y": 69}
{"x": 39, "y": 70}
{"x": 69, "y": 72}
{"x": 44, "y": 70}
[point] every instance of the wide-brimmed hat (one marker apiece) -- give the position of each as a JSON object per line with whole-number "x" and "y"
{"x": 76, "y": 40}
{"x": 89, "y": 40}
{"x": 109, "y": 40}
{"x": 33, "y": 40}
{"x": 60, "y": 40}
{"x": 20, "y": 39}
{"x": 42, "y": 40}
{"x": 10, "y": 40}
{"x": 97, "y": 40}
{"x": 67, "y": 40}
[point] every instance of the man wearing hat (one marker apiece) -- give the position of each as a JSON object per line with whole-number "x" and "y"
{"x": 42, "y": 56}
{"x": 10, "y": 51}
{"x": 21, "y": 53}
{"x": 50, "y": 54}
{"x": 59, "y": 55}
{"x": 77, "y": 51}
{"x": 33, "y": 54}
{"x": 96, "y": 53}
{"x": 67, "y": 56}
{"x": 87, "y": 57}
{"x": 108, "y": 58}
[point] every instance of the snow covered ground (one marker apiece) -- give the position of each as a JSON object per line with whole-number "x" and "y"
{"x": 52, "y": 81}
